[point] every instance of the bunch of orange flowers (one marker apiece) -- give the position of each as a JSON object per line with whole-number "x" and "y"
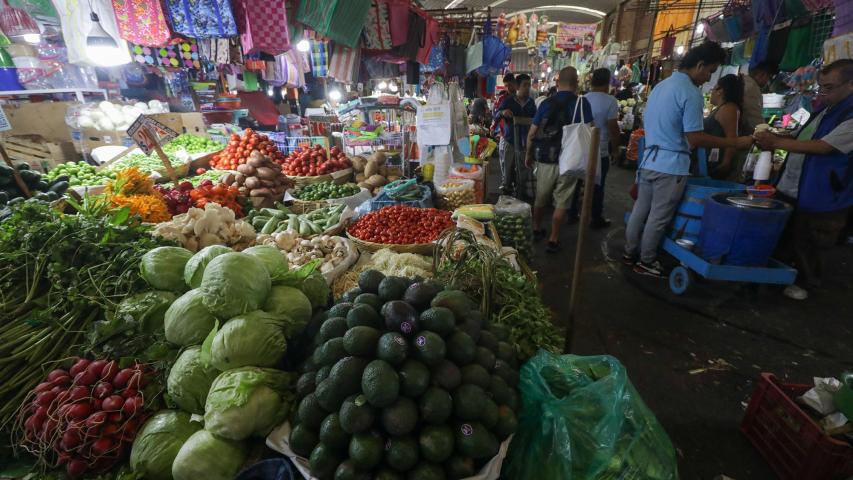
{"x": 134, "y": 189}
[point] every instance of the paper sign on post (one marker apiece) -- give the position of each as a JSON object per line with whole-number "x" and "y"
{"x": 5, "y": 126}
{"x": 157, "y": 133}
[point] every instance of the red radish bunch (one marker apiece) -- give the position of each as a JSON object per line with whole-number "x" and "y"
{"x": 86, "y": 417}
{"x": 312, "y": 161}
{"x": 177, "y": 198}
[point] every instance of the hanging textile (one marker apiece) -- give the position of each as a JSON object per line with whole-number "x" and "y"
{"x": 798, "y": 50}
{"x": 181, "y": 55}
{"x": 674, "y": 19}
{"x": 291, "y": 68}
{"x": 837, "y": 48}
{"x": 436, "y": 58}
{"x": 142, "y": 22}
{"x": 417, "y": 37}
{"x": 430, "y": 38}
{"x": 667, "y": 44}
{"x": 201, "y": 18}
{"x": 843, "y": 17}
{"x": 344, "y": 63}
{"x": 456, "y": 60}
{"x": 75, "y": 20}
{"x": 340, "y": 20}
{"x": 215, "y": 50}
{"x": 319, "y": 58}
{"x": 262, "y": 25}
{"x": 398, "y": 11}
{"x": 766, "y": 13}
{"x": 377, "y": 27}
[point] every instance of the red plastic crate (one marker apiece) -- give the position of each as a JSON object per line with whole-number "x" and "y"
{"x": 791, "y": 442}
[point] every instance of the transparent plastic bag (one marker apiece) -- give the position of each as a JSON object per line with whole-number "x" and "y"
{"x": 582, "y": 419}
{"x": 514, "y": 223}
{"x": 454, "y": 193}
{"x": 474, "y": 173}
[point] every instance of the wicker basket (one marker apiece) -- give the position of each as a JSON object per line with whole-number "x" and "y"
{"x": 419, "y": 248}
{"x": 304, "y": 206}
{"x": 340, "y": 177}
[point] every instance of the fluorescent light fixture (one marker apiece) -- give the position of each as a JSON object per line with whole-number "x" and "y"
{"x": 101, "y": 47}
{"x": 499, "y": 2}
{"x": 335, "y": 95}
{"x": 566, "y": 8}
{"x": 453, "y": 4}
{"x": 700, "y": 29}
{"x": 303, "y": 46}
{"x": 679, "y": 49}
{"x": 382, "y": 85}
{"x": 33, "y": 38}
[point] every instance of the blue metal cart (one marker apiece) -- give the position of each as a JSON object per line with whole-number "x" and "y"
{"x": 687, "y": 224}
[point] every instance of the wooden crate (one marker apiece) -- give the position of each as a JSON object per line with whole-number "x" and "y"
{"x": 38, "y": 153}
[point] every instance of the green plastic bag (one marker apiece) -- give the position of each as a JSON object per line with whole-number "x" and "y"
{"x": 581, "y": 419}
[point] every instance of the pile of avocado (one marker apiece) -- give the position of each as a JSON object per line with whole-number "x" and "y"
{"x": 406, "y": 381}
{"x": 39, "y": 188}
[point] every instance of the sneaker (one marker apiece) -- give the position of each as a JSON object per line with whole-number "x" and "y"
{"x": 629, "y": 259}
{"x": 795, "y": 293}
{"x": 654, "y": 269}
{"x": 599, "y": 223}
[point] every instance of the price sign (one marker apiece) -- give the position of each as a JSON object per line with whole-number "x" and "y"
{"x": 5, "y": 126}
{"x": 147, "y": 133}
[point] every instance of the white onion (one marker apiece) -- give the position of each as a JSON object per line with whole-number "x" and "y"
{"x": 85, "y": 121}
{"x": 106, "y": 124}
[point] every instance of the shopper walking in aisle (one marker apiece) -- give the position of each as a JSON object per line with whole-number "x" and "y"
{"x": 605, "y": 114}
{"x": 725, "y": 121}
{"x": 518, "y": 105}
{"x": 673, "y": 123}
{"x": 479, "y": 112}
{"x": 753, "y": 82}
{"x": 818, "y": 176}
{"x": 545, "y": 139}
{"x": 498, "y": 127}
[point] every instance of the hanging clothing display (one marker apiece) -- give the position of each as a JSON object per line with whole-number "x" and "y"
{"x": 319, "y": 58}
{"x": 343, "y": 64}
{"x": 76, "y": 22}
{"x": 201, "y": 18}
{"x": 262, "y": 25}
{"x": 377, "y": 27}
{"x": 142, "y": 22}
{"x": 181, "y": 55}
{"x": 798, "y": 50}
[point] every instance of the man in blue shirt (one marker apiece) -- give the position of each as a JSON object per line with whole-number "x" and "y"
{"x": 673, "y": 124}
{"x": 545, "y": 139}
{"x": 518, "y": 105}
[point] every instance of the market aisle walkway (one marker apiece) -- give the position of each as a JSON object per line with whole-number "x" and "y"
{"x": 695, "y": 358}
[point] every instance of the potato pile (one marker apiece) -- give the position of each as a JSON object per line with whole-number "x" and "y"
{"x": 258, "y": 177}
{"x": 372, "y": 173}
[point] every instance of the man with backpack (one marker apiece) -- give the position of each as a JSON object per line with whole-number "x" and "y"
{"x": 545, "y": 140}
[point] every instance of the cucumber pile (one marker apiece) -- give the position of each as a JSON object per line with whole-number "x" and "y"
{"x": 281, "y": 219}
{"x": 40, "y": 188}
{"x": 405, "y": 381}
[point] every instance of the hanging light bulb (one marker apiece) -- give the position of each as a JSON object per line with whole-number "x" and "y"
{"x": 16, "y": 23}
{"x": 679, "y": 49}
{"x": 303, "y": 46}
{"x": 393, "y": 88}
{"x": 382, "y": 85}
{"x": 700, "y": 29}
{"x": 270, "y": 92}
{"x": 550, "y": 70}
{"x": 101, "y": 47}
{"x": 542, "y": 75}
{"x": 335, "y": 95}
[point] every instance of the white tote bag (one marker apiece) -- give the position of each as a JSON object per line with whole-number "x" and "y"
{"x": 574, "y": 150}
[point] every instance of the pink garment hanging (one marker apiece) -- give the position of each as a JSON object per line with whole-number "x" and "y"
{"x": 344, "y": 63}
{"x": 430, "y": 39}
{"x": 142, "y": 22}
{"x": 262, "y": 25}
{"x": 399, "y": 12}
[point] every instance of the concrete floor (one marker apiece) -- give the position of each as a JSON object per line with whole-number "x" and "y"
{"x": 661, "y": 338}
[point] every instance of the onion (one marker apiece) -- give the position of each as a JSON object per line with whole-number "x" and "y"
{"x": 112, "y": 403}
{"x": 79, "y": 366}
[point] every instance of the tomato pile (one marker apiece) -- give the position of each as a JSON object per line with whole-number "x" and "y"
{"x": 402, "y": 225}
{"x": 207, "y": 192}
{"x": 87, "y": 417}
{"x": 240, "y": 147}
{"x": 308, "y": 161}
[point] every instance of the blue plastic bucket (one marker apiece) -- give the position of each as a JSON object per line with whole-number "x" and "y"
{"x": 688, "y": 218}
{"x": 737, "y": 234}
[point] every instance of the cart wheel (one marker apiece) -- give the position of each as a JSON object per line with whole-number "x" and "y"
{"x": 679, "y": 280}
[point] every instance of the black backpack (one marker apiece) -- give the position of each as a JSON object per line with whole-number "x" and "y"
{"x": 549, "y": 137}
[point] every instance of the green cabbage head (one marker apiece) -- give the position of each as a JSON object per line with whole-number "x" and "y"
{"x": 187, "y": 320}
{"x": 146, "y": 310}
{"x": 189, "y": 380}
{"x": 291, "y": 302}
{"x": 310, "y": 281}
{"x": 194, "y": 269}
{"x": 234, "y": 284}
{"x": 247, "y": 401}
{"x": 163, "y": 268}
{"x": 255, "y": 338}
{"x": 273, "y": 259}
{"x": 204, "y": 456}
{"x": 157, "y": 444}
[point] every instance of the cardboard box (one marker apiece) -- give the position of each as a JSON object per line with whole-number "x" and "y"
{"x": 87, "y": 139}
{"x": 45, "y": 119}
{"x": 192, "y": 123}
{"x": 38, "y": 153}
